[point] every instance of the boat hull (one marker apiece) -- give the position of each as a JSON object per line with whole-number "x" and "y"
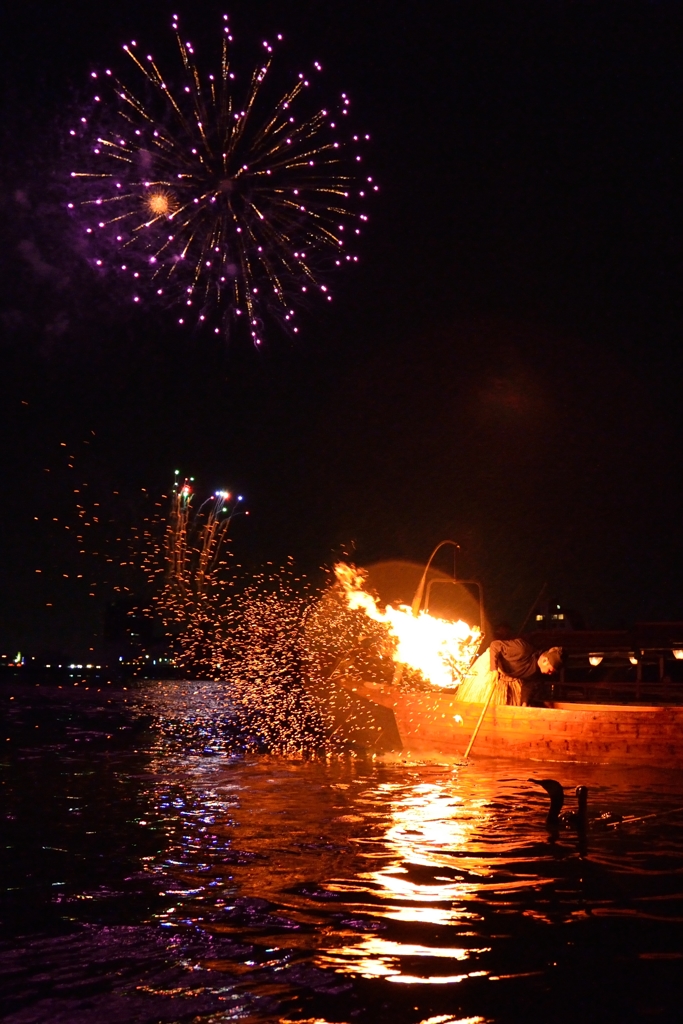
{"x": 435, "y": 723}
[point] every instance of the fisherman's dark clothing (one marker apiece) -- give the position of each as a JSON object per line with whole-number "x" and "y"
{"x": 519, "y": 660}
{"x": 515, "y": 658}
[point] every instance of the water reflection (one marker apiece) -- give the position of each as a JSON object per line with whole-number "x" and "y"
{"x": 207, "y": 887}
{"x": 415, "y": 880}
{"x": 372, "y": 870}
{"x": 420, "y": 875}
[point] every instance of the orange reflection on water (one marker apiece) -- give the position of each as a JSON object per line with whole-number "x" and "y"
{"x": 448, "y": 1018}
{"x": 377, "y": 873}
{"x": 428, "y": 825}
{"x": 438, "y": 979}
{"x": 418, "y": 884}
{"x": 375, "y": 957}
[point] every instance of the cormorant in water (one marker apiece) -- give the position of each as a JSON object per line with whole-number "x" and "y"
{"x": 570, "y": 819}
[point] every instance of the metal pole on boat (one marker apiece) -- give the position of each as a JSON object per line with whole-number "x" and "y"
{"x": 419, "y": 593}
{"x": 481, "y": 718}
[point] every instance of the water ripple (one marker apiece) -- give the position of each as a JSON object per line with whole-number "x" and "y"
{"x": 148, "y": 882}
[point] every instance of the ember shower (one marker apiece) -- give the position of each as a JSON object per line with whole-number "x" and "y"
{"x": 202, "y": 191}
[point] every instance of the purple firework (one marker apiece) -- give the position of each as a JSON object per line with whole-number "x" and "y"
{"x": 212, "y": 197}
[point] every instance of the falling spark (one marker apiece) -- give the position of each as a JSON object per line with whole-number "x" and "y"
{"x": 271, "y": 649}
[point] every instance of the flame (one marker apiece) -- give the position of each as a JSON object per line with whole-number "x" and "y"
{"x": 441, "y": 650}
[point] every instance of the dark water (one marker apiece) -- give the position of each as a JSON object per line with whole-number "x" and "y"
{"x": 146, "y": 879}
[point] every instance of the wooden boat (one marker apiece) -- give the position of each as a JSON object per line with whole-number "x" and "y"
{"x": 428, "y": 723}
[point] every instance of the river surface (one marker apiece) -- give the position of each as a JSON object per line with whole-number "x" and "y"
{"x": 151, "y": 872}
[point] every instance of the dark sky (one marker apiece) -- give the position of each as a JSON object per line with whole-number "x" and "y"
{"x": 503, "y": 367}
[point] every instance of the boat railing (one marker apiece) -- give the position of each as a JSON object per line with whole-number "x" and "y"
{"x": 619, "y": 692}
{"x": 641, "y": 664}
{"x": 650, "y": 675}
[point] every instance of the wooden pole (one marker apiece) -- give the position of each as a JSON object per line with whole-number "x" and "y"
{"x": 481, "y": 717}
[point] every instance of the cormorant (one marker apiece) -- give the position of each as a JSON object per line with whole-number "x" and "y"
{"x": 578, "y": 819}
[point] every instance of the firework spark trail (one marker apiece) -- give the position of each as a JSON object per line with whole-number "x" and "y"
{"x": 274, "y": 651}
{"x": 268, "y": 648}
{"x": 273, "y": 687}
{"x": 254, "y": 695}
{"x": 195, "y": 601}
{"x": 172, "y": 568}
{"x": 268, "y": 671}
{"x": 117, "y": 535}
{"x": 213, "y": 196}
{"x": 282, "y": 649}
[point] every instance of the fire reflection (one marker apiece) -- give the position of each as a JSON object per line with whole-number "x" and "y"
{"x": 428, "y": 826}
{"x": 420, "y": 883}
{"x": 381, "y": 872}
{"x": 374, "y": 957}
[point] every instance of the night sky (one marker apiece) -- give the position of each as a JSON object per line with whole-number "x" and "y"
{"x": 502, "y": 367}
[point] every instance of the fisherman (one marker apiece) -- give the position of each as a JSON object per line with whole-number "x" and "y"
{"x": 513, "y": 667}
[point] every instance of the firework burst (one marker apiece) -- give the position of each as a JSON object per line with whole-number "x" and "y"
{"x": 203, "y": 191}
